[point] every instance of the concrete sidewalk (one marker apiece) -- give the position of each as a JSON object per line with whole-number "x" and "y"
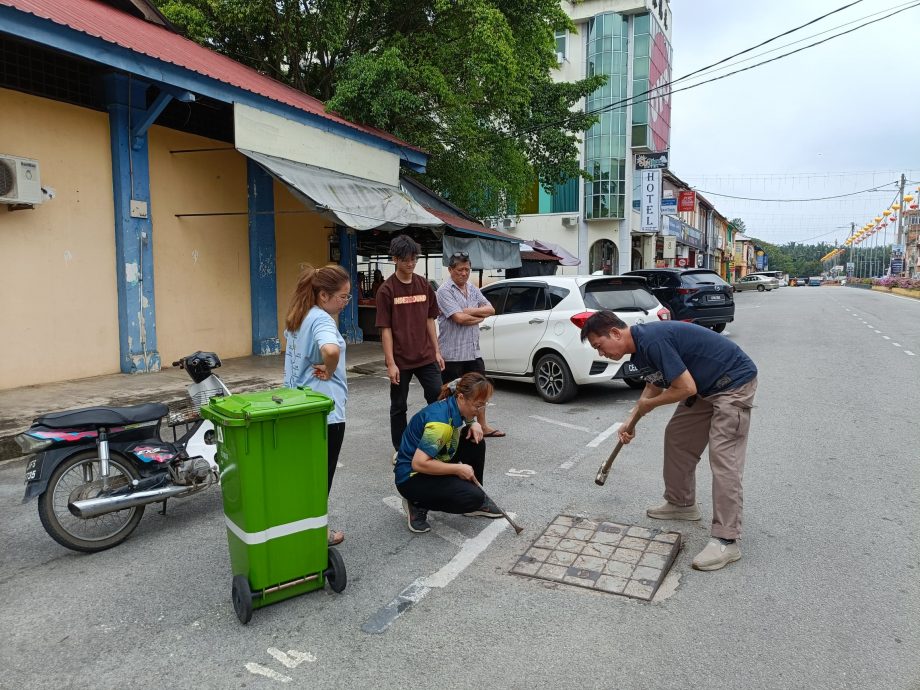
{"x": 19, "y": 406}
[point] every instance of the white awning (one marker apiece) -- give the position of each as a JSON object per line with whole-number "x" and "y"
{"x": 351, "y": 201}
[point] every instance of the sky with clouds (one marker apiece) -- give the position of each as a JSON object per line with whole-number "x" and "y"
{"x": 837, "y": 118}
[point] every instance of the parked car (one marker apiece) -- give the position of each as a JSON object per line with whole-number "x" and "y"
{"x": 801, "y": 280}
{"x": 697, "y": 295}
{"x": 535, "y": 334}
{"x": 815, "y": 280}
{"x": 759, "y": 283}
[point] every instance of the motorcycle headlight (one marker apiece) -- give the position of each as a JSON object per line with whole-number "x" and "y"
{"x": 31, "y": 444}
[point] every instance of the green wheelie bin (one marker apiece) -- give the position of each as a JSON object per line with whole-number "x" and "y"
{"x": 271, "y": 451}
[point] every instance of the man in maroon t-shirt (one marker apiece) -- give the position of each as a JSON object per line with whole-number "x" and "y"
{"x": 406, "y": 313}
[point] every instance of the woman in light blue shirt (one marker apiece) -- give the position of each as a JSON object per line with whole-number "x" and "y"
{"x": 315, "y": 354}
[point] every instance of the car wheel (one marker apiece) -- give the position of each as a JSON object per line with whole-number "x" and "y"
{"x": 719, "y": 327}
{"x": 553, "y": 379}
{"x": 634, "y": 383}
{"x": 760, "y": 288}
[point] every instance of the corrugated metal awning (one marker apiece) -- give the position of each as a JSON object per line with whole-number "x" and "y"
{"x": 351, "y": 201}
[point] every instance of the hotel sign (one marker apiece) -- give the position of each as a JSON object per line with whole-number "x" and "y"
{"x": 650, "y": 200}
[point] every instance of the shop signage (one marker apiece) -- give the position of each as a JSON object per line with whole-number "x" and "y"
{"x": 682, "y": 262}
{"x": 669, "y": 205}
{"x": 651, "y": 161}
{"x": 685, "y": 234}
{"x": 650, "y": 198}
{"x": 668, "y": 247}
{"x": 686, "y": 201}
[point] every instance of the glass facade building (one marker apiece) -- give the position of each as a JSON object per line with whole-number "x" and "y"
{"x": 605, "y": 143}
{"x": 651, "y": 114}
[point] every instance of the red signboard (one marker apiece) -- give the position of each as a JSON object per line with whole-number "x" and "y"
{"x": 682, "y": 262}
{"x": 686, "y": 201}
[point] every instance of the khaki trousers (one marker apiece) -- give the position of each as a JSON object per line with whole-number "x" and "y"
{"x": 722, "y": 421}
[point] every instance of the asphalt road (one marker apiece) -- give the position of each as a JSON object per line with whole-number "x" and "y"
{"x": 825, "y": 596}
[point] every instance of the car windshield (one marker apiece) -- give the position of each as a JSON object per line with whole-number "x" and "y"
{"x": 618, "y": 296}
{"x": 702, "y": 278}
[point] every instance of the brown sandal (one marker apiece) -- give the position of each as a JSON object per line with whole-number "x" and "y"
{"x": 335, "y": 538}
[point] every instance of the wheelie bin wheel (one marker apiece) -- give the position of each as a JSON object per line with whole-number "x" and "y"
{"x": 242, "y": 598}
{"x": 335, "y": 573}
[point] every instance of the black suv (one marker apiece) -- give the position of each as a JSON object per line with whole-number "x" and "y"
{"x": 697, "y": 295}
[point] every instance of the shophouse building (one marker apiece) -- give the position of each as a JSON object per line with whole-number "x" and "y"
{"x": 158, "y": 198}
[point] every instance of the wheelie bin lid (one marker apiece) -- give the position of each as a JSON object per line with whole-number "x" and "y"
{"x": 242, "y": 408}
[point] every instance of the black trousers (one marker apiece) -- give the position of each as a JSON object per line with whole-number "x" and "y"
{"x": 429, "y": 376}
{"x": 447, "y": 493}
{"x": 454, "y": 370}
{"x": 336, "y": 435}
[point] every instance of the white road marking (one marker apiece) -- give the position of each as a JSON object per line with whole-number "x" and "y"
{"x": 293, "y": 658}
{"x": 563, "y": 424}
{"x": 261, "y": 670}
{"x": 512, "y": 472}
{"x": 877, "y": 330}
{"x": 886, "y": 337}
{"x": 868, "y": 326}
{"x": 471, "y": 548}
{"x": 567, "y": 465}
{"x": 420, "y": 587}
{"x": 444, "y": 531}
{"x": 604, "y": 435}
{"x": 908, "y": 352}
{"x": 896, "y": 344}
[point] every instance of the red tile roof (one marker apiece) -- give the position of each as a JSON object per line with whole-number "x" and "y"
{"x": 463, "y": 224}
{"x": 97, "y": 19}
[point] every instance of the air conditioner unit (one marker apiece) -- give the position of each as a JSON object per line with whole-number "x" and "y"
{"x": 20, "y": 182}
{"x": 570, "y": 221}
{"x": 508, "y": 223}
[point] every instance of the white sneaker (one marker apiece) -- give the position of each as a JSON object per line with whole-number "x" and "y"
{"x": 716, "y": 555}
{"x": 395, "y": 454}
{"x": 669, "y": 511}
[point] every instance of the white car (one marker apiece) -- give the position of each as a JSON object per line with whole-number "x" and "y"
{"x": 535, "y": 334}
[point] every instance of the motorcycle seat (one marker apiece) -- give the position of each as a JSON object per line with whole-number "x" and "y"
{"x": 103, "y": 416}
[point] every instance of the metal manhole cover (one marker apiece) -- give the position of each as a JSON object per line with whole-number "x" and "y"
{"x": 605, "y": 556}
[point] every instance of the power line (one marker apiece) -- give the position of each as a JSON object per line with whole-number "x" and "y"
{"x": 820, "y": 33}
{"x": 797, "y": 50}
{"x": 643, "y": 97}
{"x": 822, "y": 198}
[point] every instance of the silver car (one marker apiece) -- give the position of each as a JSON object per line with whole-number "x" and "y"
{"x": 759, "y": 283}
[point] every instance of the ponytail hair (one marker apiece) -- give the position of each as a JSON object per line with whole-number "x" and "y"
{"x": 473, "y": 386}
{"x": 311, "y": 282}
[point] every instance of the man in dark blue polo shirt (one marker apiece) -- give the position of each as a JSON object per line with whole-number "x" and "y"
{"x": 714, "y": 382}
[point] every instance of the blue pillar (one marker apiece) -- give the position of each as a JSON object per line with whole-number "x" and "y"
{"x": 137, "y": 335}
{"x": 263, "y": 281}
{"x": 348, "y": 319}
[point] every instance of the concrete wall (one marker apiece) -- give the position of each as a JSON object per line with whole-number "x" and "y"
{"x": 58, "y": 303}
{"x": 300, "y": 238}
{"x": 58, "y": 294}
{"x": 201, "y": 264}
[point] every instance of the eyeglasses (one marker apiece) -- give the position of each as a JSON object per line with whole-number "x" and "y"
{"x": 345, "y": 297}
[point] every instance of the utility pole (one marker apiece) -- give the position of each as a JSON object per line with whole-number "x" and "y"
{"x": 900, "y": 224}
{"x": 850, "y": 258}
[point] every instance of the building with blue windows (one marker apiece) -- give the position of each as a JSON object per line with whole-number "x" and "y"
{"x": 628, "y": 41}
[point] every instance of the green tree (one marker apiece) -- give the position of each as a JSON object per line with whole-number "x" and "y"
{"x": 469, "y": 81}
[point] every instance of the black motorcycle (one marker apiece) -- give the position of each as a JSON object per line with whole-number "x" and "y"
{"x": 95, "y": 469}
